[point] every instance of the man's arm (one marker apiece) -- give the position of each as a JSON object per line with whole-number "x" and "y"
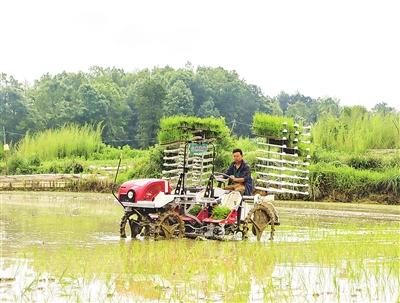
{"x": 238, "y": 180}
{"x": 244, "y": 175}
{"x": 230, "y": 171}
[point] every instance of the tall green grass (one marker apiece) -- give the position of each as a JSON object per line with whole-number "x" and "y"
{"x": 68, "y": 141}
{"x": 357, "y": 130}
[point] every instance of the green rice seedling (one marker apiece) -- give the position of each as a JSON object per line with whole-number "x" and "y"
{"x": 391, "y": 182}
{"x": 220, "y": 212}
{"x": 180, "y": 128}
{"x": 356, "y": 252}
{"x": 194, "y": 211}
{"x": 271, "y": 126}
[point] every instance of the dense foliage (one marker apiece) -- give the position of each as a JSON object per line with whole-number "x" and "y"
{"x": 130, "y": 104}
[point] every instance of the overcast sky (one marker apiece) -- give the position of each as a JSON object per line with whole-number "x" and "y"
{"x": 345, "y": 49}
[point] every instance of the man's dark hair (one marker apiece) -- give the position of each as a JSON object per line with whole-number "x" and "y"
{"x": 237, "y": 150}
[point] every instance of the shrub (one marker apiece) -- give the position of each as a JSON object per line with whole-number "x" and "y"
{"x": 67, "y": 166}
{"x": 147, "y": 166}
{"x": 107, "y": 152}
{"x": 34, "y": 160}
{"x": 393, "y": 162}
{"x": 91, "y": 184}
{"x": 374, "y": 160}
{"x": 14, "y": 163}
{"x": 365, "y": 162}
{"x": 18, "y": 165}
{"x": 391, "y": 182}
{"x": 223, "y": 160}
{"x": 73, "y": 168}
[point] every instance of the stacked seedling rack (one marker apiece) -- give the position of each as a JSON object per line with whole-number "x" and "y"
{"x": 197, "y": 159}
{"x": 283, "y": 155}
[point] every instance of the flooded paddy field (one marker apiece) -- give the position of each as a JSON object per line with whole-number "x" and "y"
{"x": 65, "y": 247}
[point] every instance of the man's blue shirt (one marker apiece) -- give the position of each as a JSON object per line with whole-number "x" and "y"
{"x": 242, "y": 172}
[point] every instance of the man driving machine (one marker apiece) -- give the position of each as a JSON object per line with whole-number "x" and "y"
{"x": 239, "y": 174}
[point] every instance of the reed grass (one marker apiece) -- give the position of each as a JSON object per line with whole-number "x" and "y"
{"x": 66, "y": 142}
{"x": 357, "y": 130}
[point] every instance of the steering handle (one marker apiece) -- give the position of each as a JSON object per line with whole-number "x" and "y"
{"x": 217, "y": 174}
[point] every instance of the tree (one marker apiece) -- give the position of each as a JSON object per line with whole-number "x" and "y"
{"x": 56, "y": 99}
{"x": 150, "y": 96}
{"x": 179, "y": 100}
{"x": 110, "y": 98}
{"x": 283, "y": 100}
{"x": 298, "y": 111}
{"x": 233, "y": 98}
{"x": 382, "y": 107}
{"x": 13, "y": 110}
{"x": 207, "y": 109}
{"x": 95, "y": 105}
{"x": 276, "y": 109}
{"x": 328, "y": 106}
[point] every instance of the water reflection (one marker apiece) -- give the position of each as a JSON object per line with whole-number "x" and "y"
{"x": 65, "y": 247}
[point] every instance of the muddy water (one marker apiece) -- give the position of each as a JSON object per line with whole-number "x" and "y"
{"x": 65, "y": 247}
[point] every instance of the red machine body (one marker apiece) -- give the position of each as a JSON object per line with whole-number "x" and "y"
{"x": 144, "y": 189}
{"x": 205, "y": 216}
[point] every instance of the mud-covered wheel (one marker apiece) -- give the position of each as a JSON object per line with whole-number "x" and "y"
{"x": 260, "y": 217}
{"x": 133, "y": 222}
{"x": 169, "y": 225}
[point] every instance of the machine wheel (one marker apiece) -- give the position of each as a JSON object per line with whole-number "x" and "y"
{"x": 169, "y": 225}
{"x": 260, "y": 217}
{"x": 133, "y": 222}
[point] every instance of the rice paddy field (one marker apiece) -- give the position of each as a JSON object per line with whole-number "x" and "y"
{"x": 65, "y": 247}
